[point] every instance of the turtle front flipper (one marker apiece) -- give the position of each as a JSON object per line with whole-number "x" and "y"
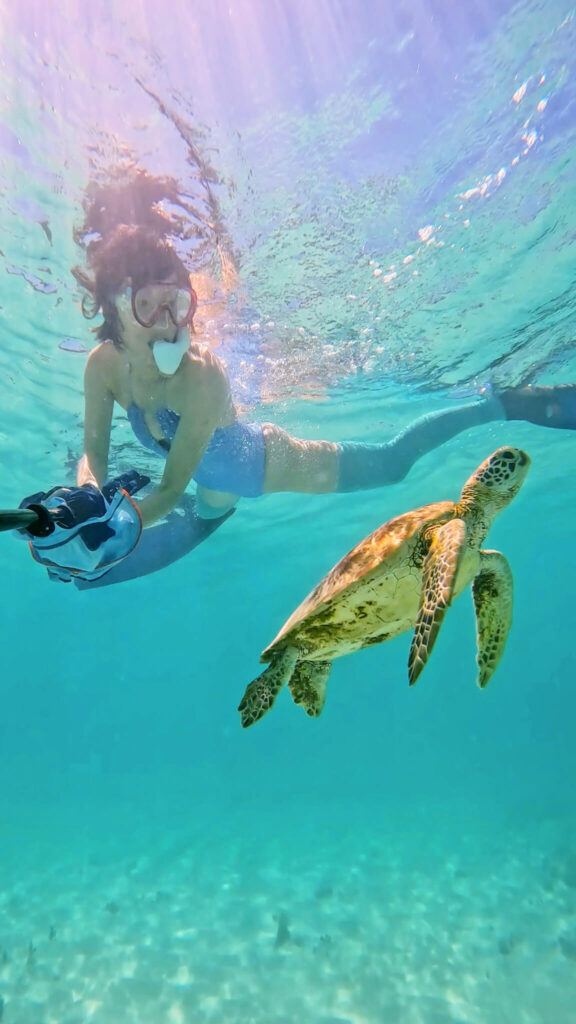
{"x": 438, "y": 576}
{"x": 261, "y": 693}
{"x": 492, "y": 589}
{"x": 308, "y": 685}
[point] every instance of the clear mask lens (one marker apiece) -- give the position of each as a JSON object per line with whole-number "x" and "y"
{"x": 153, "y": 300}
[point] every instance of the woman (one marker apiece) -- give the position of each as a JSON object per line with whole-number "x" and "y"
{"x": 177, "y": 396}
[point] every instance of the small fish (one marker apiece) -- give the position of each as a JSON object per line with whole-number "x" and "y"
{"x": 46, "y": 229}
{"x": 72, "y": 345}
{"x": 283, "y": 931}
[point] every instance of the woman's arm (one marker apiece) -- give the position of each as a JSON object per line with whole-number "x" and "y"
{"x": 203, "y": 412}
{"x": 98, "y": 407}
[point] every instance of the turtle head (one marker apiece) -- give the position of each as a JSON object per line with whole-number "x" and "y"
{"x": 497, "y": 480}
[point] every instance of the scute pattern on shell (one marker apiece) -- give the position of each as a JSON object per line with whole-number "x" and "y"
{"x": 393, "y": 548}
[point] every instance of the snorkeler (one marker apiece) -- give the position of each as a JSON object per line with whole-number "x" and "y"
{"x": 177, "y": 396}
{"x": 176, "y": 393}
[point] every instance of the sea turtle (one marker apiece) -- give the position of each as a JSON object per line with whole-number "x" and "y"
{"x": 403, "y": 576}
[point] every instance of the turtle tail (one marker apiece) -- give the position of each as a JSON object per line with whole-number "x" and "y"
{"x": 261, "y": 693}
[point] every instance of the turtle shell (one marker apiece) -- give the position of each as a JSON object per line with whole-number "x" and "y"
{"x": 372, "y": 570}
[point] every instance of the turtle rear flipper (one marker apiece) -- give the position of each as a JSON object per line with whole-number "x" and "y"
{"x": 492, "y": 590}
{"x": 261, "y": 693}
{"x": 308, "y": 685}
{"x": 438, "y": 576}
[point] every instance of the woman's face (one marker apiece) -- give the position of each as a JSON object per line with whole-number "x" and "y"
{"x": 154, "y": 311}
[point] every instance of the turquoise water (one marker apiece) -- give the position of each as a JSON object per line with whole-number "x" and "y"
{"x": 398, "y": 186}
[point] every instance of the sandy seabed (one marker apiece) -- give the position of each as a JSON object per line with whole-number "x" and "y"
{"x": 431, "y": 921}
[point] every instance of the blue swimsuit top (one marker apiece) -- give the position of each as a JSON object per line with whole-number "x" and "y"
{"x": 234, "y": 461}
{"x": 168, "y": 422}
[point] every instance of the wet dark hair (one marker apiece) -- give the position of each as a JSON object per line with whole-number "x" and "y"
{"x": 130, "y": 216}
{"x": 131, "y": 252}
{"x": 125, "y": 235}
{"x": 127, "y": 194}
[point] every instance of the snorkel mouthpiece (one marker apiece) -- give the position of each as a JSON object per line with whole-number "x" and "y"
{"x": 169, "y": 354}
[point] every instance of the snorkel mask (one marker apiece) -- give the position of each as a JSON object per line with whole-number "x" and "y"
{"x": 148, "y": 303}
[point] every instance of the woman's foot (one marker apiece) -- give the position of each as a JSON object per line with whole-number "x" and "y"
{"x": 553, "y": 406}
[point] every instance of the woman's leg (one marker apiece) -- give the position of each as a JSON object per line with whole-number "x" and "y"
{"x": 213, "y": 504}
{"x": 310, "y": 467}
{"x": 547, "y": 406}
{"x": 320, "y": 467}
{"x": 362, "y": 466}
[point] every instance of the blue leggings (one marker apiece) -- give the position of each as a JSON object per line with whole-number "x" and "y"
{"x": 365, "y": 466}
